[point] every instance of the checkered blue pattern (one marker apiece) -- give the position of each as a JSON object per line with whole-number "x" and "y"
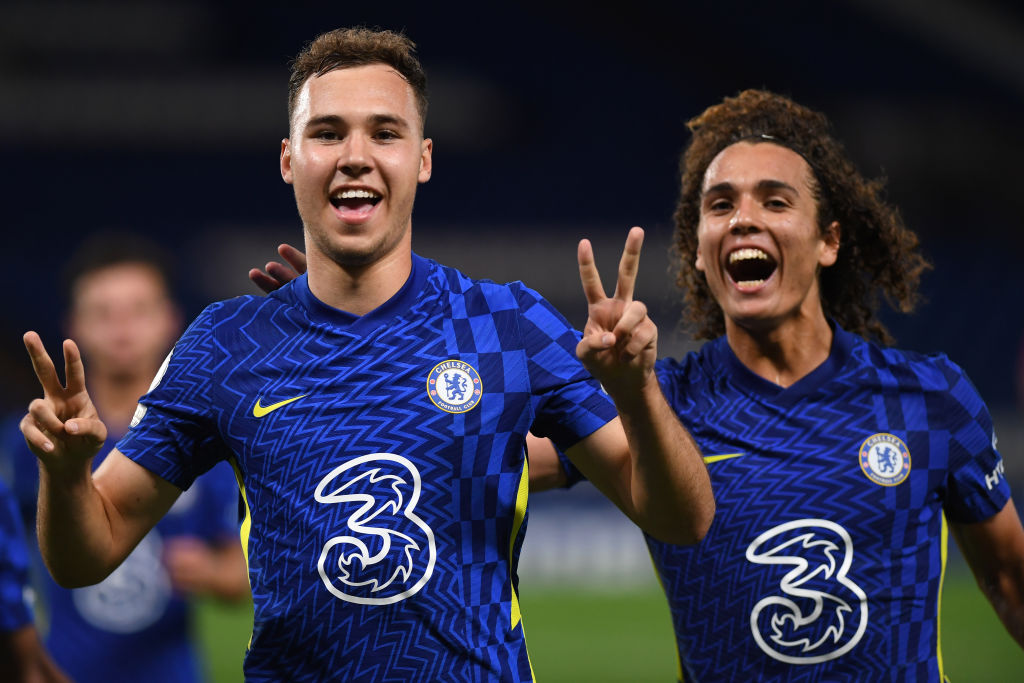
{"x": 800, "y": 527}
{"x": 381, "y": 544}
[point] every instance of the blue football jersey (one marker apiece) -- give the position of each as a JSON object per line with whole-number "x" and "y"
{"x": 15, "y": 596}
{"x": 382, "y": 465}
{"x": 826, "y": 556}
{"x": 134, "y": 617}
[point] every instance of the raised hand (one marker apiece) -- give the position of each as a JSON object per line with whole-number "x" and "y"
{"x": 278, "y": 274}
{"x": 62, "y": 428}
{"x": 620, "y": 343}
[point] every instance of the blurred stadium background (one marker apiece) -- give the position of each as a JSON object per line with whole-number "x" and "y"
{"x": 551, "y": 121}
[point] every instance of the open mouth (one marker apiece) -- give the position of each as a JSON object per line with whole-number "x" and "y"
{"x": 750, "y": 267}
{"x": 355, "y": 200}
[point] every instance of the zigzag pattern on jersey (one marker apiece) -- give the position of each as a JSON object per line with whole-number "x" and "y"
{"x": 378, "y": 404}
{"x": 805, "y": 466}
{"x": 358, "y": 393}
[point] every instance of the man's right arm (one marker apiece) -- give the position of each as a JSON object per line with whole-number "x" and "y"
{"x": 87, "y": 523}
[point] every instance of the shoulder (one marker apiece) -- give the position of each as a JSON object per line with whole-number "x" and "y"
{"x": 944, "y": 386}
{"x": 482, "y": 292}
{"x": 912, "y": 370}
{"x": 695, "y": 366}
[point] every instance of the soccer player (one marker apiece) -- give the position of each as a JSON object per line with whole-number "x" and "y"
{"x": 838, "y": 463}
{"x": 375, "y": 411}
{"x": 22, "y": 656}
{"x": 121, "y": 312}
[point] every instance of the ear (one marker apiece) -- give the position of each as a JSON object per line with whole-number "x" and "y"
{"x": 426, "y": 160}
{"x": 699, "y": 263}
{"x": 286, "y": 160}
{"x": 829, "y": 245}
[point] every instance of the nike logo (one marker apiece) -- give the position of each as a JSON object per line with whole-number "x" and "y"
{"x": 262, "y": 411}
{"x": 708, "y": 459}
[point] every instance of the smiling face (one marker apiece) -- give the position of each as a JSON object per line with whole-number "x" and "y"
{"x": 355, "y": 156}
{"x": 759, "y": 244}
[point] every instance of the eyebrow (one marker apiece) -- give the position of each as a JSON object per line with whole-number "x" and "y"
{"x": 374, "y": 119}
{"x": 766, "y": 185}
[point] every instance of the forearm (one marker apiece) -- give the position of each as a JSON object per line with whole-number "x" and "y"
{"x": 76, "y": 538}
{"x": 1006, "y": 593}
{"x": 669, "y": 484}
{"x": 994, "y": 549}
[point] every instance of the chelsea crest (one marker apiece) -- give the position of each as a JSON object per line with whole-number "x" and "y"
{"x": 885, "y": 459}
{"x": 454, "y": 386}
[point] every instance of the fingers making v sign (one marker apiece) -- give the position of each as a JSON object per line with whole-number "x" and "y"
{"x": 619, "y": 344}
{"x": 62, "y": 428}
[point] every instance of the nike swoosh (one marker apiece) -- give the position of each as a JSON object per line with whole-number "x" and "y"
{"x": 708, "y": 459}
{"x": 261, "y": 411}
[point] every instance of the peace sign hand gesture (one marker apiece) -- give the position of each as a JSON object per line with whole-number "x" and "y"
{"x": 620, "y": 343}
{"x": 62, "y": 428}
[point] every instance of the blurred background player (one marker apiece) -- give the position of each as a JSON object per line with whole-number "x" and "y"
{"x": 121, "y": 312}
{"x": 22, "y": 656}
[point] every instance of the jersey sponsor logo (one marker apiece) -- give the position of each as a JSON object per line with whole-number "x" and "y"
{"x": 134, "y": 596}
{"x": 140, "y": 410}
{"x": 818, "y": 612}
{"x": 997, "y": 473}
{"x": 885, "y": 459}
{"x": 386, "y": 552}
{"x": 262, "y": 411}
{"x": 454, "y": 386}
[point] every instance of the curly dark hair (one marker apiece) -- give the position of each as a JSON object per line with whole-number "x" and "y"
{"x": 359, "y": 46}
{"x": 878, "y": 254}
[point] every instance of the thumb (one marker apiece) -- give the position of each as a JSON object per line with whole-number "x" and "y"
{"x": 89, "y": 429}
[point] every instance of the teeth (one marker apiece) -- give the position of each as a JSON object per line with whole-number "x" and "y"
{"x": 749, "y": 283}
{"x": 356, "y": 194}
{"x": 748, "y": 253}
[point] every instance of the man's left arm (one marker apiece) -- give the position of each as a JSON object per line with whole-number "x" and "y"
{"x": 994, "y": 549}
{"x": 645, "y": 461}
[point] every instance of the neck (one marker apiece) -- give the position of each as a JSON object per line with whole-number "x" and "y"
{"x": 358, "y": 289}
{"x": 785, "y": 353}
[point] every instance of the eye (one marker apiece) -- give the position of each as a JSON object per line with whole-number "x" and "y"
{"x": 720, "y": 205}
{"x": 386, "y": 135}
{"x": 325, "y": 134}
{"x": 777, "y": 203}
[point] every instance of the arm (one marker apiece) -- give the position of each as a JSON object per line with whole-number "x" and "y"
{"x": 646, "y": 462}
{"x": 199, "y": 568}
{"x": 87, "y": 523}
{"x": 546, "y": 470}
{"x": 994, "y": 549}
{"x": 278, "y": 274}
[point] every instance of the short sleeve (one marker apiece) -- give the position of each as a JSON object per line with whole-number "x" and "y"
{"x": 976, "y": 487}
{"x": 569, "y": 403}
{"x": 174, "y": 431}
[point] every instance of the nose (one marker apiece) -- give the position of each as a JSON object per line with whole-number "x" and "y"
{"x": 354, "y": 157}
{"x": 744, "y": 220}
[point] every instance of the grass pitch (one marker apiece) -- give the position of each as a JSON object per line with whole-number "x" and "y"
{"x": 608, "y": 637}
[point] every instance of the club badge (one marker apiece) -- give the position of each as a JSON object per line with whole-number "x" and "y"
{"x": 454, "y": 386}
{"x": 885, "y": 459}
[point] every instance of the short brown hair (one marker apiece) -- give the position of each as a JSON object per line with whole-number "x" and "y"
{"x": 878, "y": 254}
{"x": 348, "y": 47}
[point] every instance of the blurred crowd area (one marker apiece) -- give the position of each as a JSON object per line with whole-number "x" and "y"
{"x": 550, "y": 123}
